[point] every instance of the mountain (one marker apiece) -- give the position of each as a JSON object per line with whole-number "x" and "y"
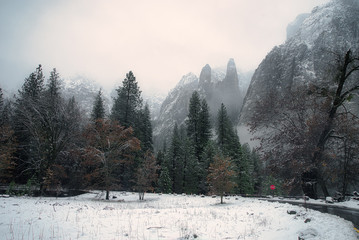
{"x": 154, "y": 102}
{"x": 303, "y": 58}
{"x": 84, "y": 90}
{"x": 215, "y": 85}
{"x": 174, "y": 108}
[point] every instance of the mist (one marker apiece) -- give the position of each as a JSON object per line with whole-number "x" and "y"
{"x": 160, "y": 41}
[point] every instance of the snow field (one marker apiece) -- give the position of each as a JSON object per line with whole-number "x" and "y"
{"x": 163, "y": 217}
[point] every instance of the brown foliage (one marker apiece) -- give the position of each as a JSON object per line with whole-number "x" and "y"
{"x": 108, "y": 145}
{"x": 220, "y": 176}
{"x": 7, "y": 150}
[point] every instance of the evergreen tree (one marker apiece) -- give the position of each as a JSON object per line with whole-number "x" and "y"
{"x": 98, "y": 110}
{"x": 207, "y": 157}
{"x": 198, "y": 124}
{"x": 228, "y": 141}
{"x": 224, "y": 129}
{"x": 128, "y": 102}
{"x": 258, "y": 174}
{"x": 245, "y": 183}
{"x": 205, "y": 125}
{"x": 144, "y": 129}
{"x": 33, "y": 86}
{"x": 193, "y": 121}
{"x": 27, "y": 123}
{"x": 53, "y": 87}
{"x": 164, "y": 181}
{"x": 175, "y": 161}
{"x": 190, "y": 167}
{"x": 227, "y": 137}
{"x": 45, "y": 129}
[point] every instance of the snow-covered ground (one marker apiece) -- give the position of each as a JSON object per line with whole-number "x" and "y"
{"x": 88, "y": 216}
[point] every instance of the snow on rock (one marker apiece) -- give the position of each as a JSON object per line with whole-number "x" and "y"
{"x": 163, "y": 217}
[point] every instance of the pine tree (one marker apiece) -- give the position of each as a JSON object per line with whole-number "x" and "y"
{"x": 128, "y": 102}
{"x": 164, "y": 181}
{"x": 175, "y": 161}
{"x": 258, "y": 174}
{"x": 44, "y": 127}
{"x": 208, "y": 154}
{"x": 224, "y": 131}
{"x": 205, "y": 125}
{"x": 190, "y": 167}
{"x": 193, "y": 121}
{"x": 198, "y": 124}
{"x": 33, "y": 86}
{"x": 27, "y": 123}
{"x": 228, "y": 141}
{"x": 227, "y": 137}
{"x": 98, "y": 110}
{"x": 245, "y": 183}
{"x": 144, "y": 129}
{"x": 53, "y": 87}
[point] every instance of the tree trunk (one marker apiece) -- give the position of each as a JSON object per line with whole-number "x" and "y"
{"x": 323, "y": 185}
{"x": 141, "y": 196}
{"x": 107, "y": 194}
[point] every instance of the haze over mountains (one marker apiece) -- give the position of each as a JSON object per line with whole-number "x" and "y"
{"x": 311, "y": 38}
{"x": 215, "y": 85}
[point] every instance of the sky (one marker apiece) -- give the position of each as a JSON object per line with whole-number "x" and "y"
{"x": 159, "y": 40}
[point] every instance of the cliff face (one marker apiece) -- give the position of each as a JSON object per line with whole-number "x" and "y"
{"x": 303, "y": 58}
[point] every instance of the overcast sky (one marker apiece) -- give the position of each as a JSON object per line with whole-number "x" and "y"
{"x": 159, "y": 40}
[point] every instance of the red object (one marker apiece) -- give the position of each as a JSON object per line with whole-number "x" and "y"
{"x": 272, "y": 187}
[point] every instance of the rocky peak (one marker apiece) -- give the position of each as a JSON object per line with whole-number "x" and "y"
{"x": 189, "y": 78}
{"x": 231, "y": 80}
{"x": 206, "y": 75}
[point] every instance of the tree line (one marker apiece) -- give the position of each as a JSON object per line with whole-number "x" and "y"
{"x": 204, "y": 157}
{"x": 46, "y": 141}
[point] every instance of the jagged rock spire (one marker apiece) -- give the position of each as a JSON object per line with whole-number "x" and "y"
{"x": 206, "y": 74}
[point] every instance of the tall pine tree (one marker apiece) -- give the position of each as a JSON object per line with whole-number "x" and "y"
{"x": 228, "y": 140}
{"x": 198, "y": 124}
{"x": 174, "y": 161}
{"x": 27, "y": 123}
{"x": 205, "y": 125}
{"x": 128, "y": 102}
{"x": 144, "y": 129}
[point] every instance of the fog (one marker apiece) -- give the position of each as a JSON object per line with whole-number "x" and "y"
{"x": 158, "y": 40}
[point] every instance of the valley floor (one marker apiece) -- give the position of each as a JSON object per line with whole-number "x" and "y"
{"x": 88, "y": 216}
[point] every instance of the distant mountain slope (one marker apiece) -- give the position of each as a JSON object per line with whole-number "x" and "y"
{"x": 84, "y": 91}
{"x": 303, "y": 58}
